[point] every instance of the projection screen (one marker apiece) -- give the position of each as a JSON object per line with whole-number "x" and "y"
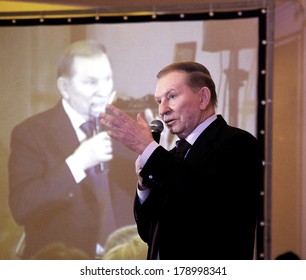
{"x": 229, "y": 44}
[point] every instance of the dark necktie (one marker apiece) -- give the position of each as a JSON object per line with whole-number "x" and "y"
{"x": 100, "y": 183}
{"x": 182, "y": 147}
{"x": 88, "y": 128}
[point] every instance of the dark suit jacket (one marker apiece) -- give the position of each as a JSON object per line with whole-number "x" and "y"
{"x": 206, "y": 206}
{"x": 44, "y": 197}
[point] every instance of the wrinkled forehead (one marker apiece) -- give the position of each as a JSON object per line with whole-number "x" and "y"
{"x": 171, "y": 82}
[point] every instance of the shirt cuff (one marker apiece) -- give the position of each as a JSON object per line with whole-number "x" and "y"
{"x": 148, "y": 151}
{"x": 143, "y": 195}
{"x": 76, "y": 171}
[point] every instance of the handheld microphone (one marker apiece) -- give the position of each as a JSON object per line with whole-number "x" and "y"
{"x": 95, "y": 110}
{"x": 156, "y": 127}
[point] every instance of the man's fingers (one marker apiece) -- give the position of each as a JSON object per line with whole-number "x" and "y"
{"x": 110, "y": 121}
{"x": 141, "y": 120}
{"x": 118, "y": 113}
{"x": 116, "y": 121}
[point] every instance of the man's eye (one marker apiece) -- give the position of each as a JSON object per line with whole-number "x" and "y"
{"x": 89, "y": 82}
{"x": 171, "y": 96}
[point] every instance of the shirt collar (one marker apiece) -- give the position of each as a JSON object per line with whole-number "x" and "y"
{"x": 192, "y": 137}
{"x": 75, "y": 118}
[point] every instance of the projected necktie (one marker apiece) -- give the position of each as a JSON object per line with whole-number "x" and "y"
{"x": 100, "y": 183}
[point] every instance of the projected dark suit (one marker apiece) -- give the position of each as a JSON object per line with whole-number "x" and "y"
{"x": 44, "y": 197}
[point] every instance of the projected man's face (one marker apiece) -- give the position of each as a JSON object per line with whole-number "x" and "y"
{"x": 91, "y": 84}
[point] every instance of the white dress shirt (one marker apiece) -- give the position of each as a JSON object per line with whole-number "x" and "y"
{"x": 76, "y": 120}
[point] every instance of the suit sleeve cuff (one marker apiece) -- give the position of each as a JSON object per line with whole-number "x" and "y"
{"x": 76, "y": 171}
{"x": 143, "y": 195}
{"x": 147, "y": 153}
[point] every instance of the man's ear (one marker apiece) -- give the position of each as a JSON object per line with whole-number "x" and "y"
{"x": 62, "y": 85}
{"x": 205, "y": 96}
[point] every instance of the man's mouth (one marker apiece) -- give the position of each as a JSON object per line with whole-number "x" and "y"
{"x": 96, "y": 108}
{"x": 169, "y": 122}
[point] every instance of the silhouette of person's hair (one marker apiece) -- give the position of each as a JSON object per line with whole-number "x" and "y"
{"x": 125, "y": 244}
{"x": 59, "y": 251}
{"x": 288, "y": 256}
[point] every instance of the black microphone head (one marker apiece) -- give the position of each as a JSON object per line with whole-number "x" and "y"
{"x": 157, "y": 126}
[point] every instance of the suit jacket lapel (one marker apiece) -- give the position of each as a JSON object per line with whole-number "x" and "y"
{"x": 62, "y": 130}
{"x": 205, "y": 141}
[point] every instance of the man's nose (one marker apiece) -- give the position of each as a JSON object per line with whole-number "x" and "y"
{"x": 163, "y": 108}
{"x": 102, "y": 92}
{"x": 103, "y": 89}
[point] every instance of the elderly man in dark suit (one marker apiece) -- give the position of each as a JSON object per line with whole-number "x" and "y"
{"x": 59, "y": 170}
{"x": 198, "y": 200}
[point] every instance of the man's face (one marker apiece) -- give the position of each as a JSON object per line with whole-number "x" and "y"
{"x": 181, "y": 108}
{"x": 91, "y": 84}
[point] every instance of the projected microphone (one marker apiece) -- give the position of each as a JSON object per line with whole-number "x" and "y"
{"x": 156, "y": 127}
{"x": 97, "y": 108}
{"x": 94, "y": 112}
